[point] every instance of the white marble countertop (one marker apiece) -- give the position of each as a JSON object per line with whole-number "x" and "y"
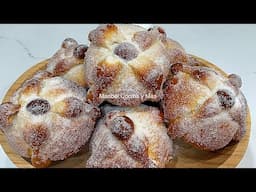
{"x": 232, "y": 47}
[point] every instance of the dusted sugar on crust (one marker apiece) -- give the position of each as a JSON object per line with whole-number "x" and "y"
{"x": 203, "y": 107}
{"x": 130, "y": 137}
{"x": 68, "y": 61}
{"x": 127, "y": 64}
{"x": 47, "y": 119}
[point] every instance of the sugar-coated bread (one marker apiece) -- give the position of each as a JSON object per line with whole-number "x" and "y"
{"x": 127, "y": 64}
{"x": 149, "y": 90}
{"x": 204, "y": 107}
{"x": 68, "y": 61}
{"x": 130, "y": 137}
{"x": 47, "y": 119}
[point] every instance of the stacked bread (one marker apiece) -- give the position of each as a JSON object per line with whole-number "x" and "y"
{"x": 128, "y": 95}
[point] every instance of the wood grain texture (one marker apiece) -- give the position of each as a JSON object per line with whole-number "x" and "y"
{"x": 186, "y": 155}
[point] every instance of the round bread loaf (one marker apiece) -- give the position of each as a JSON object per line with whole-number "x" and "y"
{"x": 204, "y": 107}
{"x": 130, "y": 137}
{"x": 47, "y": 119}
{"x": 127, "y": 64}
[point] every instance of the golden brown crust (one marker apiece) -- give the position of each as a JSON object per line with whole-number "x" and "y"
{"x": 36, "y": 135}
{"x": 60, "y": 68}
{"x": 72, "y": 107}
{"x": 139, "y": 60}
{"x": 143, "y": 39}
{"x": 103, "y": 34}
{"x": 106, "y": 73}
{"x": 68, "y": 57}
{"x": 130, "y": 137}
{"x": 50, "y": 119}
{"x": 38, "y": 162}
{"x": 147, "y": 72}
{"x": 76, "y": 74}
{"x": 7, "y": 111}
{"x": 32, "y": 86}
{"x": 200, "y": 105}
{"x": 122, "y": 127}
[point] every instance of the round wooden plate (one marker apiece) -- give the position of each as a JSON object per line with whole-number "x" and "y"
{"x": 186, "y": 155}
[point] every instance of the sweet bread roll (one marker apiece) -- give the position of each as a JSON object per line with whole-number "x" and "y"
{"x": 47, "y": 119}
{"x": 204, "y": 107}
{"x": 127, "y": 64}
{"x": 68, "y": 62}
{"x": 134, "y": 137}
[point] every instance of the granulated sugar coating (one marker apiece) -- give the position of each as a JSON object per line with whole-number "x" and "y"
{"x": 52, "y": 117}
{"x": 126, "y": 51}
{"x": 129, "y": 60}
{"x": 147, "y": 146}
{"x": 122, "y": 127}
{"x": 49, "y": 120}
{"x": 204, "y": 108}
{"x": 68, "y": 62}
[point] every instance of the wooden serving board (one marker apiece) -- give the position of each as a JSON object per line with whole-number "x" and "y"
{"x": 186, "y": 155}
